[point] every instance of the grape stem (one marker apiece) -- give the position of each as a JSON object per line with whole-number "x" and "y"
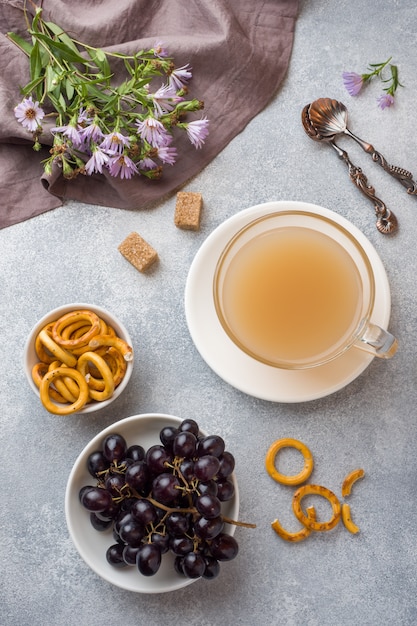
{"x": 192, "y": 510}
{"x": 237, "y": 523}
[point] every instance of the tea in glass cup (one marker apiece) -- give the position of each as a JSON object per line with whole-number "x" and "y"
{"x": 295, "y": 289}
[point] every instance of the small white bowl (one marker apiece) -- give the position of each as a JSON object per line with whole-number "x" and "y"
{"x": 30, "y": 357}
{"x": 92, "y": 545}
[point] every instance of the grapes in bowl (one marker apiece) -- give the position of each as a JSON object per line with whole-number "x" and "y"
{"x": 152, "y": 504}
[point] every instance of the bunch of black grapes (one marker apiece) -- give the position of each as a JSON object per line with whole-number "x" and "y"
{"x": 165, "y": 499}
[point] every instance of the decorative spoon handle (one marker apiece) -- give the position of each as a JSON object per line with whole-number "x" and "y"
{"x": 402, "y": 175}
{"x": 386, "y": 221}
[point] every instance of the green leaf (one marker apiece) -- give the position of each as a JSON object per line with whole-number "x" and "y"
{"x": 36, "y": 19}
{"x": 51, "y": 79}
{"x": 69, "y": 89}
{"x": 56, "y": 103}
{"x": 64, "y": 52}
{"x": 21, "y": 43}
{"x": 129, "y": 68}
{"x": 100, "y": 59}
{"x": 62, "y": 36}
{"x": 35, "y": 62}
{"x": 62, "y": 102}
{"x": 34, "y": 85}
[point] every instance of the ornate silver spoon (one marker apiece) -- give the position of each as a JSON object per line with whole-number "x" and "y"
{"x": 386, "y": 221}
{"x": 329, "y": 118}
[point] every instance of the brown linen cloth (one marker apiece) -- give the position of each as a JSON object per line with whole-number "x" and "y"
{"x": 239, "y": 52}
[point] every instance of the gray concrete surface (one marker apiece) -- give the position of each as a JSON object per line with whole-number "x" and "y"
{"x": 70, "y": 254}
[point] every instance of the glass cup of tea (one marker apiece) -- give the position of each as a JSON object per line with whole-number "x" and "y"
{"x": 295, "y": 289}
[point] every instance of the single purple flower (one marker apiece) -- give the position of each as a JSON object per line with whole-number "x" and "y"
{"x": 84, "y": 117}
{"x": 121, "y": 165}
{"x": 71, "y": 131}
{"x": 114, "y": 143}
{"x": 164, "y": 100}
{"x": 167, "y": 154}
{"x": 353, "y": 82}
{"x": 91, "y": 133}
{"x": 159, "y": 50}
{"x": 154, "y": 132}
{"x": 180, "y": 77}
{"x": 385, "y": 100}
{"x": 147, "y": 164}
{"x": 197, "y": 131}
{"x": 29, "y": 114}
{"x": 96, "y": 161}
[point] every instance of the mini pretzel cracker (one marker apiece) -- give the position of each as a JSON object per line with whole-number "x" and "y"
{"x": 296, "y": 479}
{"x": 42, "y": 354}
{"x": 69, "y": 319}
{"x": 350, "y": 479}
{"x": 59, "y": 353}
{"x": 115, "y": 342}
{"x": 347, "y": 520}
{"x": 320, "y": 491}
{"x": 63, "y": 409}
{"x": 104, "y": 370}
{"x": 299, "y": 535}
{"x": 38, "y": 372}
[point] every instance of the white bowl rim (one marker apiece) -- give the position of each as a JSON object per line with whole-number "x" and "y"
{"x": 30, "y": 358}
{"x": 114, "y": 575}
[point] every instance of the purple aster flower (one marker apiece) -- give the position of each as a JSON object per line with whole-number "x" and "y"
{"x": 92, "y": 132}
{"x": 121, "y": 165}
{"x": 29, "y": 114}
{"x": 147, "y": 164}
{"x": 164, "y": 99}
{"x": 154, "y": 132}
{"x": 72, "y": 131}
{"x": 159, "y": 50}
{"x": 114, "y": 143}
{"x": 385, "y": 100}
{"x": 197, "y": 131}
{"x": 167, "y": 154}
{"x": 96, "y": 161}
{"x": 180, "y": 77}
{"x": 84, "y": 118}
{"x": 353, "y": 82}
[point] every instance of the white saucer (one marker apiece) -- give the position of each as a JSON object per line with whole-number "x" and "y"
{"x": 237, "y": 368}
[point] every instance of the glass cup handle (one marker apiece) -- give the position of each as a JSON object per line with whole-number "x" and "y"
{"x": 378, "y": 342}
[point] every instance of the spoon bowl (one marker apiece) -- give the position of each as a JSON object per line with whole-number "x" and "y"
{"x": 328, "y": 117}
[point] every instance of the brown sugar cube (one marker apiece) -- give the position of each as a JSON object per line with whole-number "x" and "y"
{"x": 188, "y": 210}
{"x": 138, "y": 252}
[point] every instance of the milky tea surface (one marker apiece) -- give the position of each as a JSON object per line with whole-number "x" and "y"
{"x": 292, "y": 294}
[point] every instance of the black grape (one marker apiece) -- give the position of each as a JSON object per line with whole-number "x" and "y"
{"x": 148, "y": 559}
{"x": 114, "y": 555}
{"x": 136, "y": 453}
{"x": 189, "y": 425}
{"x": 208, "y": 506}
{"x": 114, "y": 447}
{"x": 96, "y": 499}
{"x": 193, "y": 565}
{"x": 212, "y": 444}
{"x": 224, "y": 547}
{"x": 97, "y": 463}
{"x": 185, "y": 444}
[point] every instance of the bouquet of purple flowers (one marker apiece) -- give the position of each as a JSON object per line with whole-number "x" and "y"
{"x": 128, "y": 128}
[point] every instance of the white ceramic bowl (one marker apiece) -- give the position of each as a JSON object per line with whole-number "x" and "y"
{"x": 30, "y": 357}
{"x": 92, "y": 544}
